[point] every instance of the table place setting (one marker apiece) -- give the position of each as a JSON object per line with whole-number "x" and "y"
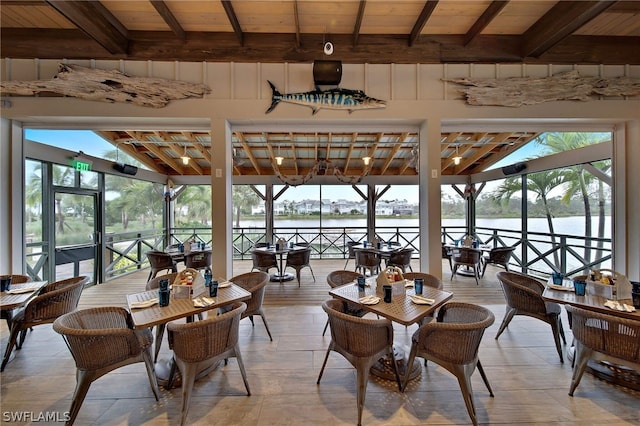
{"x": 222, "y": 283}
{"x": 372, "y": 299}
{"x": 617, "y": 306}
{"x": 408, "y": 283}
{"x": 144, "y": 303}
{"x": 203, "y": 301}
{"x": 421, "y": 300}
{"x": 559, "y": 287}
{"x": 21, "y": 290}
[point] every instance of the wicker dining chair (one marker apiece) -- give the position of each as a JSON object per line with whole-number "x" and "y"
{"x": 368, "y": 260}
{"x": 498, "y": 256}
{"x": 362, "y": 341}
{"x": 255, "y": 283}
{"x": 468, "y": 257}
{"x": 351, "y": 253}
{"x": 198, "y": 259}
{"x": 342, "y": 277}
{"x": 452, "y": 342}
{"x": 54, "y": 300}
{"x": 523, "y": 295}
{"x": 154, "y": 284}
{"x": 263, "y": 261}
{"x": 446, "y": 254}
{"x": 160, "y": 261}
{"x": 201, "y": 343}
{"x": 401, "y": 259}
{"x": 298, "y": 260}
{"x": 7, "y": 314}
{"x": 102, "y": 340}
{"x": 603, "y": 337}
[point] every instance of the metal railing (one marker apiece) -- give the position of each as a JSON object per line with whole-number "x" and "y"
{"x": 536, "y": 253}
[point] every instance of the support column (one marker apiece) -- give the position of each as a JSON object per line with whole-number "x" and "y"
{"x": 429, "y": 195}
{"x": 221, "y": 200}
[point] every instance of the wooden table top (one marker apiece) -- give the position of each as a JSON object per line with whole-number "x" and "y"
{"x": 401, "y": 309}
{"x": 179, "y": 308}
{"x": 12, "y": 301}
{"x": 588, "y": 301}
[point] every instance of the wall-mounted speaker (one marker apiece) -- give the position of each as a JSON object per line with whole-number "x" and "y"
{"x": 327, "y": 73}
{"x": 514, "y": 168}
{"x": 125, "y": 168}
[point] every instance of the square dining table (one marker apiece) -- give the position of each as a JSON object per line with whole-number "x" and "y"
{"x": 402, "y": 310}
{"x": 10, "y": 300}
{"x": 177, "y": 309}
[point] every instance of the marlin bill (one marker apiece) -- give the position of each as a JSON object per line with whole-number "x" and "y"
{"x": 347, "y": 99}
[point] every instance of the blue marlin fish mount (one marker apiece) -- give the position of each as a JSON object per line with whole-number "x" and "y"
{"x": 348, "y": 99}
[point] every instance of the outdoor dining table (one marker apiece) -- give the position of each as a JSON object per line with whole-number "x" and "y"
{"x": 401, "y": 310}
{"x": 16, "y": 298}
{"x": 178, "y": 309}
{"x": 282, "y": 276}
{"x": 178, "y": 256}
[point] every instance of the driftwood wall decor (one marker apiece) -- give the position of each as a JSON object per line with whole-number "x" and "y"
{"x": 107, "y": 86}
{"x": 519, "y": 91}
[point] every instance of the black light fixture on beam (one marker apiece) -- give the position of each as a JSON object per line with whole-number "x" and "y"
{"x": 327, "y": 73}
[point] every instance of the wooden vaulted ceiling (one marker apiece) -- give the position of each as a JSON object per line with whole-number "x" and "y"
{"x": 362, "y": 31}
{"x": 254, "y": 153}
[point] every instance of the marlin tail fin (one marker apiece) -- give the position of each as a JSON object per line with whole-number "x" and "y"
{"x": 275, "y": 97}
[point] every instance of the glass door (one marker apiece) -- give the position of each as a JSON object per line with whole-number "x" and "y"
{"x": 77, "y": 239}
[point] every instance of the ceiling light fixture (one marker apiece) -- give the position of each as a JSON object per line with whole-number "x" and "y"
{"x": 366, "y": 160}
{"x": 185, "y": 158}
{"x": 279, "y": 158}
{"x": 457, "y": 158}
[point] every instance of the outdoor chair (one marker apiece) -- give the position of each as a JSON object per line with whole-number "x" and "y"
{"x": 198, "y": 259}
{"x": 498, "y": 256}
{"x": 198, "y": 344}
{"x": 452, "y": 342}
{"x": 368, "y": 260}
{"x": 401, "y": 259}
{"x": 102, "y": 340}
{"x": 362, "y": 342}
{"x": 54, "y": 300}
{"x": 160, "y": 261}
{"x": 338, "y": 278}
{"x": 603, "y": 337}
{"x": 263, "y": 261}
{"x": 255, "y": 283}
{"x": 351, "y": 253}
{"x": 7, "y": 314}
{"x": 298, "y": 260}
{"x": 523, "y": 295}
{"x": 467, "y": 257}
{"x": 446, "y": 254}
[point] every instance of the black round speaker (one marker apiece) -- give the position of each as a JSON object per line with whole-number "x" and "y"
{"x": 327, "y": 73}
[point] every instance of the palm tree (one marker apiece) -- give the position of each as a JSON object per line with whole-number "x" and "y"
{"x": 541, "y": 183}
{"x": 243, "y": 199}
{"x": 579, "y": 181}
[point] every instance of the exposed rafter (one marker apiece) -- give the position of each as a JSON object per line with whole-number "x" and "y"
{"x": 485, "y": 19}
{"x": 559, "y": 23}
{"x": 168, "y": 17}
{"x": 356, "y": 28}
{"x": 233, "y": 20}
{"x": 427, "y": 10}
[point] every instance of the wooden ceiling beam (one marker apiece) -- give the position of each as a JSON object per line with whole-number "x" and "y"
{"x": 358, "y": 24}
{"x": 168, "y": 17}
{"x": 169, "y": 161}
{"x": 95, "y": 21}
{"x": 296, "y": 20}
{"x": 20, "y": 43}
{"x": 558, "y": 23}
{"x": 114, "y": 139}
{"x": 424, "y": 16}
{"x": 247, "y": 150}
{"x": 485, "y": 19}
{"x": 389, "y": 159}
{"x": 233, "y": 20}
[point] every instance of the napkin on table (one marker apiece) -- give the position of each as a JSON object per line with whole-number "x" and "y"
{"x": 21, "y": 290}
{"x": 369, "y": 300}
{"x": 421, "y": 300}
{"x": 617, "y": 306}
{"x": 144, "y": 303}
{"x": 203, "y": 302}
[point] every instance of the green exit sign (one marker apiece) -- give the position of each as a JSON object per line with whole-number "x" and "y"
{"x": 81, "y": 166}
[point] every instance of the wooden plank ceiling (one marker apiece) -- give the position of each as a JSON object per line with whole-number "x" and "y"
{"x": 254, "y": 153}
{"x": 362, "y": 31}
